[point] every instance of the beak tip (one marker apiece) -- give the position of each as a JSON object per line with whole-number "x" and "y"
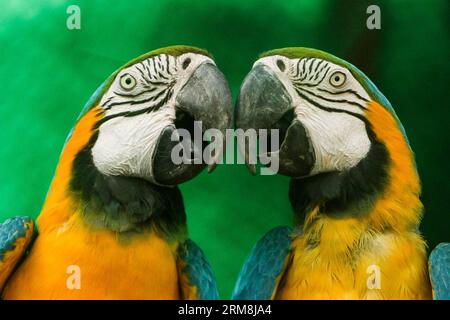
{"x": 252, "y": 169}
{"x": 212, "y": 167}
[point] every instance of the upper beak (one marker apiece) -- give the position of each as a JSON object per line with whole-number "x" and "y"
{"x": 205, "y": 97}
{"x": 264, "y": 103}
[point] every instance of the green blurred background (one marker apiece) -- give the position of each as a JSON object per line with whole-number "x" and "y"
{"x": 48, "y": 72}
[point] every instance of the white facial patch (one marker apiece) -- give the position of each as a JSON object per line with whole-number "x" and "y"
{"x": 339, "y": 140}
{"x": 125, "y": 146}
{"x": 138, "y": 105}
{"x": 330, "y": 103}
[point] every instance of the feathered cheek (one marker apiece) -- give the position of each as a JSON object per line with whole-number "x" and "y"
{"x": 339, "y": 140}
{"x": 125, "y": 145}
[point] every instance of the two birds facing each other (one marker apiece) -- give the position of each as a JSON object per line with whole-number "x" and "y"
{"x": 114, "y": 210}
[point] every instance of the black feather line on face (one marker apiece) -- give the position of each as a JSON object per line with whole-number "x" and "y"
{"x": 131, "y": 113}
{"x": 317, "y": 66}
{"x": 129, "y": 95}
{"x": 125, "y": 204}
{"x": 353, "y": 92}
{"x": 297, "y": 73}
{"x": 331, "y": 109}
{"x": 304, "y": 73}
{"x": 165, "y": 90}
{"x": 356, "y": 104}
{"x": 143, "y": 75}
{"x": 167, "y": 64}
{"x": 168, "y": 95}
{"x": 297, "y": 82}
{"x": 310, "y": 66}
{"x": 319, "y": 72}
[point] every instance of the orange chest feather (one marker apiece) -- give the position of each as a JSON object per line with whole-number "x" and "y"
{"x": 73, "y": 262}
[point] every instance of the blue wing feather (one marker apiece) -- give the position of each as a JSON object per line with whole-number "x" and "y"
{"x": 11, "y": 230}
{"x": 15, "y": 237}
{"x": 439, "y": 265}
{"x": 199, "y": 271}
{"x": 263, "y": 266}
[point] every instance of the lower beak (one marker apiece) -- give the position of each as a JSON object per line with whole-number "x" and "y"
{"x": 205, "y": 97}
{"x": 264, "y": 103}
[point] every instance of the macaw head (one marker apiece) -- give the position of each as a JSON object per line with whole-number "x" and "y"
{"x": 141, "y": 105}
{"x": 336, "y": 128}
{"x": 120, "y": 148}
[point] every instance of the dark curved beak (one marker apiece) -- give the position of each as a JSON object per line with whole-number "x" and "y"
{"x": 264, "y": 103}
{"x": 205, "y": 97}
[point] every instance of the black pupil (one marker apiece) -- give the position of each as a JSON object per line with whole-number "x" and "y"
{"x": 186, "y": 63}
{"x": 281, "y": 65}
{"x": 128, "y": 80}
{"x": 336, "y": 78}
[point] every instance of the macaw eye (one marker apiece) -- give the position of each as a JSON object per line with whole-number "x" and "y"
{"x": 337, "y": 79}
{"x": 127, "y": 81}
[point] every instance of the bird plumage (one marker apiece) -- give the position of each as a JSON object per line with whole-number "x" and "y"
{"x": 119, "y": 221}
{"x": 355, "y": 188}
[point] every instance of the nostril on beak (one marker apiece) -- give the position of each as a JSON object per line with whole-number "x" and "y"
{"x": 186, "y": 63}
{"x": 281, "y": 65}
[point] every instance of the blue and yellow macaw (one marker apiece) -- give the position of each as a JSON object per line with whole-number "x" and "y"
{"x": 354, "y": 189}
{"x": 114, "y": 217}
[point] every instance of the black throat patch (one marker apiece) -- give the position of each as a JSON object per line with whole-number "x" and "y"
{"x": 125, "y": 204}
{"x": 342, "y": 194}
